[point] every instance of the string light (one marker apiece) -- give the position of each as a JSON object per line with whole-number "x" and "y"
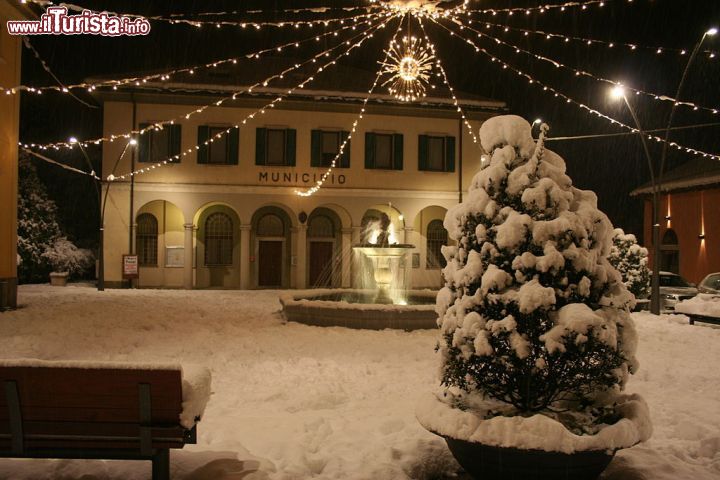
{"x": 582, "y": 40}
{"x": 577, "y": 72}
{"x": 456, "y": 103}
{"x": 216, "y": 23}
{"x": 169, "y": 160}
{"x": 59, "y": 164}
{"x": 542, "y": 8}
{"x": 186, "y": 116}
{"x": 164, "y": 76}
{"x": 318, "y": 185}
{"x": 409, "y": 67}
{"x": 556, "y": 93}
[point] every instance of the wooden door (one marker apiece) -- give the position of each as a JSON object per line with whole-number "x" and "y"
{"x": 321, "y": 256}
{"x": 270, "y": 263}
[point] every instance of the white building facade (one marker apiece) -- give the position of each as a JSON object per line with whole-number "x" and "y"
{"x": 227, "y": 215}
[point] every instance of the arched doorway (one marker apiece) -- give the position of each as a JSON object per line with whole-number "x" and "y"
{"x": 218, "y": 247}
{"x": 323, "y": 237}
{"x": 670, "y": 252}
{"x": 437, "y": 236}
{"x": 271, "y": 227}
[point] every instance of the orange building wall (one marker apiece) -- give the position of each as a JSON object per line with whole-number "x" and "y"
{"x": 691, "y": 213}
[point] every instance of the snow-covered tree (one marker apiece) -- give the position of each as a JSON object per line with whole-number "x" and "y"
{"x": 37, "y": 224}
{"x": 630, "y": 259}
{"x": 532, "y": 315}
{"x": 64, "y": 256}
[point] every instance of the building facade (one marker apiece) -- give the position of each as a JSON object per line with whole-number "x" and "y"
{"x": 10, "y": 47}
{"x": 227, "y": 215}
{"x": 689, "y": 219}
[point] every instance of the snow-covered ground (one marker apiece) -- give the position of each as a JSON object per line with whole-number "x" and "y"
{"x": 295, "y": 402}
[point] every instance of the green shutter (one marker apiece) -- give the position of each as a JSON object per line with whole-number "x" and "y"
{"x": 449, "y": 154}
{"x": 144, "y": 144}
{"x": 316, "y": 148}
{"x": 369, "y": 150}
{"x": 345, "y": 157}
{"x": 260, "y": 137}
{"x": 398, "y": 151}
{"x": 202, "y": 137}
{"x": 233, "y": 146}
{"x": 422, "y": 152}
{"x": 175, "y": 142}
{"x": 290, "y": 143}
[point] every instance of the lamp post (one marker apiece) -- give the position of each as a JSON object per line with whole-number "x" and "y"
{"x": 97, "y": 183}
{"x": 617, "y": 93}
{"x": 102, "y": 202}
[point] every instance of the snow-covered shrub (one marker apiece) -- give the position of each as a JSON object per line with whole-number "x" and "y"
{"x": 37, "y": 224}
{"x": 630, "y": 259}
{"x": 64, "y": 256}
{"x": 533, "y": 317}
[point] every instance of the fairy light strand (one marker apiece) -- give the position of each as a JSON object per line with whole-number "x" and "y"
{"x": 186, "y": 116}
{"x": 216, "y": 23}
{"x": 318, "y": 185}
{"x": 541, "y": 8}
{"x": 261, "y": 111}
{"x": 456, "y": 103}
{"x": 556, "y": 93}
{"x": 581, "y": 73}
{"x": 59, "y": 164}
{"x": 164, "y": 76}
{"x": 632, "y": 47}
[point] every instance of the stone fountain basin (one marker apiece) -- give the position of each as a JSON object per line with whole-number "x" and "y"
{"x": 319, "y": 308}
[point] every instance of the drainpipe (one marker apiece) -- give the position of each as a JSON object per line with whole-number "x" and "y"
{"x": 131, "y": 243}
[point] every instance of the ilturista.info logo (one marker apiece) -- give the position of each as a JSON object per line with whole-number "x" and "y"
{"x": 56, "y": 21}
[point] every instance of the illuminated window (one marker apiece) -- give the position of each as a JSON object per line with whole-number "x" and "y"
{"x": 218, "y": 240}
{"x": 146, "y": 240}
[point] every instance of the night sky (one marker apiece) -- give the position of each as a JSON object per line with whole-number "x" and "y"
{"x": 612, "y": 166}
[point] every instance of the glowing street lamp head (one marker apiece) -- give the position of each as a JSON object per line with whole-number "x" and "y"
{"x": 133, "y": 142}
{"x": 617, "y": 92}
{"x": 73, "y": 140}
{"x": 713, "y": 31}
{"x": 537, "y": 121}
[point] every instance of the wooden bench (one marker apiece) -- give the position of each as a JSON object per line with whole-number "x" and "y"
{"x": 702, "y": 318}
{"x": 92, "y": 413}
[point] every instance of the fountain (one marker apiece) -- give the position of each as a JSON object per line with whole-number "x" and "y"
{"x": 381, "y": 298}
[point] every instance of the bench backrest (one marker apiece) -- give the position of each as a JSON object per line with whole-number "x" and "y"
{"x": 90, "y": 403}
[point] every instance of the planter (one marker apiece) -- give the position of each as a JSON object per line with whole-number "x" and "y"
{"x": 535, "y": 447}
{"x": 503, "y": 463}
{"x": 58, "y": 279}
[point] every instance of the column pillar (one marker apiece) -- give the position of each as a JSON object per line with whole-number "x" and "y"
{"x": 301, "y": 257}
{"x": 347, "y": 257}
{"x": 188, "y": 263}
{"x": 245, "y": 255}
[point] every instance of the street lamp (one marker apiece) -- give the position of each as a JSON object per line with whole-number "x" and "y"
{"x": 97, "y": 183}
{"x": 618, "y": 92}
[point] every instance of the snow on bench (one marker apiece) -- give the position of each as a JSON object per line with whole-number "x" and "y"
{"x": 105, "y": 410}
{"x": 701, "y": 308}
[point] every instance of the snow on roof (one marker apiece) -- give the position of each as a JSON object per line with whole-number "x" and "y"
{"x": 698, "y": 172}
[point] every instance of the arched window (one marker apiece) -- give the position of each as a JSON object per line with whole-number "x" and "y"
{"x": 271, "y": 226}
{"x": 437, "y": 236}
{"x": 670, "y": 252}
{"x": 218, "y": 240}
{"x": 321, "y": 227}
{"x": 146, "y": 240}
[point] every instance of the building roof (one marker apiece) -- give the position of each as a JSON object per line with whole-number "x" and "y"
{"x": 693, "y": 174}
{"x": 338, "y": 82}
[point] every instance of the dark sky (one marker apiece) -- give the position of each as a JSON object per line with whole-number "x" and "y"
{"x": 610, "y": 166}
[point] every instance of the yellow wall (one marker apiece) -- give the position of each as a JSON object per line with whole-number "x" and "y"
{"x": 170, "y": 234}
{"x": 9, "y": 126}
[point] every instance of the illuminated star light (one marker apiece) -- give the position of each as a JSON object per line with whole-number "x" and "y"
{"x": 409, "y": 66}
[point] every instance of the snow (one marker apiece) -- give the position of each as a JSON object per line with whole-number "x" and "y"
{"x": 537, "y": 432}
{"x": 509, "y": 129}
{"x": 292, "y": 401}
{"x": 703, "y": 304}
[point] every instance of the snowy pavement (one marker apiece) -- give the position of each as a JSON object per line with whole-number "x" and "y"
{"x": 295, "y": 402}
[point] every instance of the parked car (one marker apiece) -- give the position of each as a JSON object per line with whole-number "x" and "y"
{"x": 673, "y": 289}
{"x": 710, "y": 284}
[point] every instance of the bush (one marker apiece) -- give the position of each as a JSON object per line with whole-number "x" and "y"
{"x": 630, "y": 259}
{"x": 532, "y": 314}
{"x": 64, "y": 256}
